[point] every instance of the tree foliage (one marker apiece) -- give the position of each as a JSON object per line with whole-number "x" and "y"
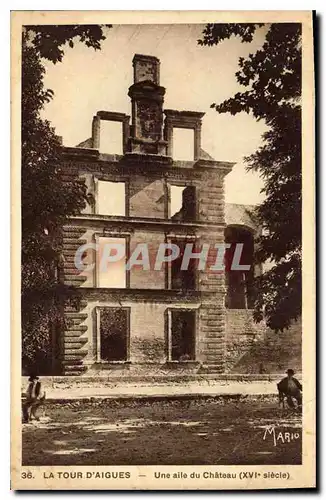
{"x": 271, "y": 78}
{"x": 47, "y": 199}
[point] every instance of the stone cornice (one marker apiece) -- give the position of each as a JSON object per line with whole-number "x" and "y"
{"x": 112, "y": 116}
{"x": 222, "y": 166}
{"x": 82, "y": 154}
{"x": 147, "y": 159}
{"x": 175, "y": 113}
{"x": 130, "y": 163}
{"x": 145, "y": 58}
{"x": 147, "y": 223}
{"x": 149, "y": 294}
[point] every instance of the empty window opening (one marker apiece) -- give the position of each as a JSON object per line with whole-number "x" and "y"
{"x": 111, "y": 137}
{"x": 111, "y": 198}
{"x": 114, "y": 334}
{"x": 239, "y": 283}
{"x": 182, "y": 335}
{"x": 183, "y": 279}
{"x": 111, "y": 262}
{"x": 183, "y": 144}
{"x": 182, "y": 203}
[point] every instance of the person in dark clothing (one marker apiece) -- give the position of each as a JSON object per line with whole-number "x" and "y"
{"x": 290, "y": 388}
{"x": 34, "y": 398}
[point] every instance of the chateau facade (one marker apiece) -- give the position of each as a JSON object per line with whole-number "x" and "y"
{"x": 150, "y": 322}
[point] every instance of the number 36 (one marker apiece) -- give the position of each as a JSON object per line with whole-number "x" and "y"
{"x": 27, "y": 475}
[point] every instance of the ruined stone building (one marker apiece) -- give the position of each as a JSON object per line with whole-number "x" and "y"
{"x": 145, "y": 321}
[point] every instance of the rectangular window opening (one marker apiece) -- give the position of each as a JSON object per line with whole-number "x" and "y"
{"x": 183, "y": 279}
{"x": 111, "y": 198}
{"x": 182, "y": 203}
{"x": 111, "y": 137}
{"x": 182, "y": 333}
{"x": 111, "y": 274}
{"x": 183, "y": 144}
{"x": 114, "y": 334}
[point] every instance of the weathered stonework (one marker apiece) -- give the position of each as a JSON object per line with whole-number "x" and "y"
{"x": 147, "y": 97}
{"x": 253, "y": 348}
{"x": 147, "y": 169}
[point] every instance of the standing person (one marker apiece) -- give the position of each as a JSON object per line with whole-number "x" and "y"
{"x": 34, "y": 398}
{"x": 290, "y": 388}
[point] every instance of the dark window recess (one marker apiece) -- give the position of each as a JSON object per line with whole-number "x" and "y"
{"x": 240, "y": 288}
{"x": 236, "y": 290}
{"x": 114, "y": 334}
{"x": 187, "y": 211}
{"x": 183, "y": 280}
{"x": 182, "y": 335}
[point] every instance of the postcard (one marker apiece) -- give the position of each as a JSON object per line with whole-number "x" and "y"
{"x": 163, "y": 249}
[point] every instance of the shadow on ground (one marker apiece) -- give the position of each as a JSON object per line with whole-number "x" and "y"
{"x": 163, "y": 433}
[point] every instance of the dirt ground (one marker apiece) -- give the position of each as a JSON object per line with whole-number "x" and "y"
{"x": 165, "y": 432}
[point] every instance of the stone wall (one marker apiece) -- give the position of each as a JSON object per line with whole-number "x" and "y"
{"x": 147, "y": 278}
{"x": 211, "y": 198}
{"x": 253, "y": 348}
{"x": 148, "y": 348}
{"x": 146, "y": 197}
{"x": 240, "y": 215}
{"x": 222, "y": 335}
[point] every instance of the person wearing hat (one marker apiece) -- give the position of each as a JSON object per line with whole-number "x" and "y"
{"x": 290, "y": 388}
{"x": 34, "y": 398}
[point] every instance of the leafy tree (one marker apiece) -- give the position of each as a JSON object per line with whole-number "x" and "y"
{"x": 47, "y": 198}
{"x": 271, "y": 78}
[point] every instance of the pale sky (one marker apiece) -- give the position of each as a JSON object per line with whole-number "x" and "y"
{"x": 194, "y": 77}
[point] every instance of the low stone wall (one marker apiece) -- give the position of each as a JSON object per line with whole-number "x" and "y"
{"x": 253, "y": 348}
{"x": 242, "y": 384}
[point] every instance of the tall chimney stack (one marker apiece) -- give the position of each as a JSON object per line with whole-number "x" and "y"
{"x": 147, "y": 97}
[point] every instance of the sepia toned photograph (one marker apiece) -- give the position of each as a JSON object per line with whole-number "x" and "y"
{"x": 162, "y": 298}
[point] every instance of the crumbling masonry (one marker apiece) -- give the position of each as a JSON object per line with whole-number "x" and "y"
{"x": 149, "y": 322}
